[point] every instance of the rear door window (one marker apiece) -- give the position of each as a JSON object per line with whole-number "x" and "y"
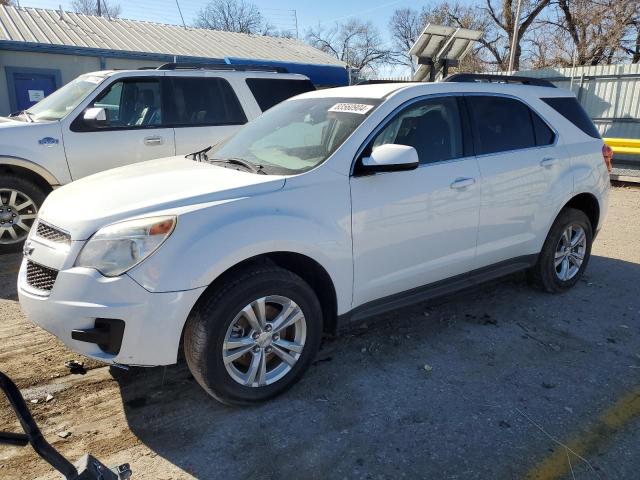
{"x": 203, "y": 101}
{"x": 500, "y": 124}
{"x": 570, "y": 109}
{"x": 271, "y": 91}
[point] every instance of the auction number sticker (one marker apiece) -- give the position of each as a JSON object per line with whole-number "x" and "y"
{"x": 360, "y": 108}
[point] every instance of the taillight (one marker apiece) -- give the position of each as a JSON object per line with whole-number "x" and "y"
{"x": 607, "y": 155}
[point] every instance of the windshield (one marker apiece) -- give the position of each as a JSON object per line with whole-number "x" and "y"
{"x": 65, "y": 99}
{"x": 296, "y": 135}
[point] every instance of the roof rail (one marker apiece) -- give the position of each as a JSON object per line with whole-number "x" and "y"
{"x": 222, "y": 66}
{"x": 491, "y": 78}
{"x": 378, "y": 82}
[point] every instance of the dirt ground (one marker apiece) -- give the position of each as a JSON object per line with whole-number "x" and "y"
{"x": 503, "y": 382}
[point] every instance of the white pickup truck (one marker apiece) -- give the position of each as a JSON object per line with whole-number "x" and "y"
{"x": 108, "y": 119}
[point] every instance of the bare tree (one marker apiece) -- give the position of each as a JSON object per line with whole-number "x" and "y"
{"x": 91, "y": 7}
{"x": 6, "y": 3}
{"x": 233, "y": 16}
{"x": 594, "y": 31}
{"x": 405, "y": 25}
{"x": 355, "y": 42}
{"x": 502, "y": 27}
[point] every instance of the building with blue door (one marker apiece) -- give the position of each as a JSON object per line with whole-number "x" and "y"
{"x": 41, "y": 50}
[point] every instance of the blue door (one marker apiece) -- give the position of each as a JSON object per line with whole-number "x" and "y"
{"x": 32, "y": 87}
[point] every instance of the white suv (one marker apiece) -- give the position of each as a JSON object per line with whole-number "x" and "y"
{"x": 331, "y": 206}
{"x": 107, "y": 119}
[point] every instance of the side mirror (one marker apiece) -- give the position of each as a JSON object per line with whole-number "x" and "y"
{"x": 390, "y": 158}
{"x": 95, "y": 116}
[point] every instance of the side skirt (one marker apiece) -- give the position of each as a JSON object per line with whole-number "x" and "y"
{"x": 437, "y": 289}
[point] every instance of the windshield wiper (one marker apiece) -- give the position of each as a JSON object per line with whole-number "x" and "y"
{"x": 27, "y": 115}
{"x": 240, "y": 162}
{"x": 200, "y": 155}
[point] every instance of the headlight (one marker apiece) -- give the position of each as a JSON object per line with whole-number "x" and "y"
{"x": 116, "y": 248}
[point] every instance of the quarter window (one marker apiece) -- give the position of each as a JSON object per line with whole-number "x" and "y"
{"x": 204, "y": 101}
{"x": 570, "y": 109}
{"x": 500, "y": 124}
{"x": 271, "y": 91}
{"x": 431, "y": 126}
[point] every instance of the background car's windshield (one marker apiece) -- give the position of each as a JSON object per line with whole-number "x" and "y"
{"x": 65, "y": 99}
{"x": 296, "y": 135}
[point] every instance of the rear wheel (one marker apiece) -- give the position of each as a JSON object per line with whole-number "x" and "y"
{"x": 255, "y": 336}
{"x": 20, "y": 200}
{"x": 565, "y": 253}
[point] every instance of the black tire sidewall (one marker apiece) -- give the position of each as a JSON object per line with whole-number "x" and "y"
{"x": 214, "y": 316}
{"x": 547, "y": 271}
{"x": 28, "y": 188}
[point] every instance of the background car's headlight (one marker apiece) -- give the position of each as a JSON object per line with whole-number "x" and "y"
{"x": 116, "y": 248}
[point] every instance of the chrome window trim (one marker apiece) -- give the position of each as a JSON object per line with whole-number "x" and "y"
{"x": 391, "y": 116}
{"x": 408, "y": 103}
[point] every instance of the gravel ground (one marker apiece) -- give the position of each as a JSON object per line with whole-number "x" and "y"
{"x": 501, "y": 382}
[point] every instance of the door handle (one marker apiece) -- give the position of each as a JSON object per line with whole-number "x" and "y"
{"x": 460, "y": 183}
{"x": 547, "y": 162}
{"x": 153, "y": 140}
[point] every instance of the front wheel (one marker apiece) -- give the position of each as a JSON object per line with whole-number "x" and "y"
{"x": 20, "y": 200}
{"x": 565, "y": 253}
{"x": 254, "y": 337}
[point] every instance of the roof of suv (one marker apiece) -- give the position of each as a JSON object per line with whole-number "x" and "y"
{"x": 383, "y": 90}
{"x": 197, "y": 73}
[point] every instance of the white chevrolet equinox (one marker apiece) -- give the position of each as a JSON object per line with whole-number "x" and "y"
{"x": 331, "y": 206}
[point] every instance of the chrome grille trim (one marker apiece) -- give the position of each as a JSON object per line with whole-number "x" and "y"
{"x": 40, "y": 277}
{"x": 51, "y": 233}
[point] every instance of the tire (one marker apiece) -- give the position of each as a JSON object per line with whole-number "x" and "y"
{"x": 217, "y": 316}
{"x": 25, "y": 190}
{"x": 555, "y": 279}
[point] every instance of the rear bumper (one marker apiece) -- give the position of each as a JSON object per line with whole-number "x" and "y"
{"x": 153, "y": 322}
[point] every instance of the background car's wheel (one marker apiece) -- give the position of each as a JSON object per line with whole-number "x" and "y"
{"x": 565, "y": 253}
{"x": 253, "y": 337}
{"x": 20, "y": 200}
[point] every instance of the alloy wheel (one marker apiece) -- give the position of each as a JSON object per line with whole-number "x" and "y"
{"x": 264, "y": 341}
{"x": 570, "y": 252}
{"x": 17, "y": 214}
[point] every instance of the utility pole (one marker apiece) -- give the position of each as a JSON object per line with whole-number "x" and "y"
{"x": 295, "y": 18}
{"x": 99, "y": 9}
{"x": 514, "y": 40}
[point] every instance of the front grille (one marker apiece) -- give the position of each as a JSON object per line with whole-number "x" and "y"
{"x": 52, "y": 234}
{"x": 40, "y": 277}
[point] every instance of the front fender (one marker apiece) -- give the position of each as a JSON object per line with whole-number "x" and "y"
{"x": 209, "y": 241}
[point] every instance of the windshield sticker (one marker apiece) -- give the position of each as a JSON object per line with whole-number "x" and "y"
{"x": 360, "y": 108}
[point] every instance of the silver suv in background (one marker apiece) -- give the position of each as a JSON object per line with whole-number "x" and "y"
{"x": 108, "y": 119}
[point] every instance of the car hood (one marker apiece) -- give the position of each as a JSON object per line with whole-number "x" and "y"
{"x": 84, "y": 206}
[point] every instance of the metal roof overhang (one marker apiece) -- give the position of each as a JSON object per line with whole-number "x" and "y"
{"x": 320, "y": 75}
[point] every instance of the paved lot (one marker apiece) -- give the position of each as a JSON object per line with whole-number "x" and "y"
{"x": 518, "y": 384}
